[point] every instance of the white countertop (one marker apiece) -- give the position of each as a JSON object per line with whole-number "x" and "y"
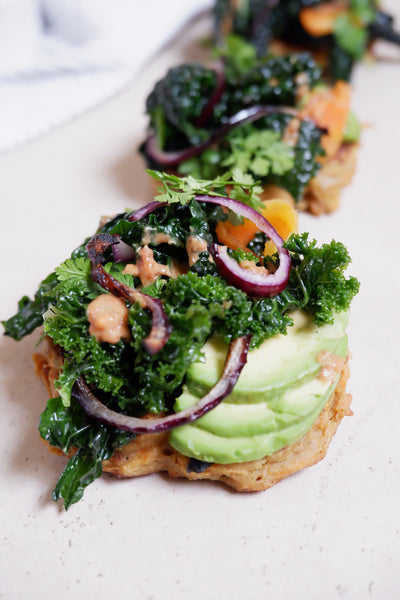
{"x": 329, "y": 532}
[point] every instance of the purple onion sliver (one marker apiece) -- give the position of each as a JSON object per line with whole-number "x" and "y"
{"x": 254, "y": 284}
{"x": 160, "y": 329}
{"x": 215, "y": 97}
{"x": 145, "y": 210}
{"x": 122, "y": 252}
{"x": 270, "y": 284}
{"x": 246, "y": 115}
{"x": 234, "y": 363}
{"x": 247, "y": 212}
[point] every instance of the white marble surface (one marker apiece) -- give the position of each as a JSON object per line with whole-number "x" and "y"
{"x": 329, "y": 532}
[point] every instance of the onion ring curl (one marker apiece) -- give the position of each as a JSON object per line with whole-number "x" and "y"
{"x": 234, "y": 363}
{"x": 251, "y": 283}
{"x": 161, "y": 329}
{"x": 245, "y": 115}
{"x": 215, "y": 96}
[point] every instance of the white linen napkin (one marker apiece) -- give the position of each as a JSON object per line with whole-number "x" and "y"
{"x": 59, "y": 58}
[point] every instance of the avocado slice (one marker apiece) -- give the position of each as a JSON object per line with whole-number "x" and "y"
{"x": 245, "y": 429}
{"x": 242, "y": 420}
{"x": 213, "y": 445}
{"x": 203, "y": 445}
{"x": 277, "y": 364}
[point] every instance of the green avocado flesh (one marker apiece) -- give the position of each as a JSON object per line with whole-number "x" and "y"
{"x": 275, "y": 402}
{"x": 276, "y": 365}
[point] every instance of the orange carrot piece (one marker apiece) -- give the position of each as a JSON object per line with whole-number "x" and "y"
{"x": 280, "y": 213}
{"x": 329, "y": 108}
{"x": 320, "y": 20}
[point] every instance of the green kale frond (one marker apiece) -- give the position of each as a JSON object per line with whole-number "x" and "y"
{"x": 70, "y": 428}
{"x": 317, "y": 279}
{"x": 29, "y": 315}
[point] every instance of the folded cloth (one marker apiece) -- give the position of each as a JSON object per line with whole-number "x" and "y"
{"x": 59, "y": 58}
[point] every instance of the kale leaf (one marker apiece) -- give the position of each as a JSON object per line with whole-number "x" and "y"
{"x": 308, "y": 148}
{"x": 270, "y": 81}
{"x": 29, "y": 315}
{"x": 317, "y": 281}
{"x": 69, "y": 429}
{"x": 179, "y": 99}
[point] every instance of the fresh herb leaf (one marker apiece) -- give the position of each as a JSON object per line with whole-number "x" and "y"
{"x": 240, "y": 255}
{"x": 258, "y": 150}
{"x": 184, "y": 189}
{"x": 261, "y": 152}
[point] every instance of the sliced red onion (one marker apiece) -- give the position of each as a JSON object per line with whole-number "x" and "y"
{"x": 246, "y": 115}
{"x": 252, "y": 283}
{"x": 234, "y": 363}
{"x": 215, "y": 97}
{"x": 122, "y": 252}
{"x": 145, "y": 210}
{"x": 160, "y": 330}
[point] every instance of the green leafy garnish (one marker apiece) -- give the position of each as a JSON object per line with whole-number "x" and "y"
{"x": 261, "y": 152}
{"x": 183, "y": 189}
{"x": 240, "y": 56}
{"x": 258, "y": 150}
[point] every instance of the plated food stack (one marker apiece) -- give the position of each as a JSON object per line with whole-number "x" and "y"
{"x": 272, "y": 117}
{"x": 155, "y": 321}
{"x": 202, "y": 335}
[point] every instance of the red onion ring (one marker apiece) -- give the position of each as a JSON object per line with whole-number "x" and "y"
{"x": 246, "y": 115}
{"x": 160, "y": 330}
{"x": 234, "y": 363}
{"x": 252, "y": 283}
{"x": 215, "y": 97}
{"x": 145, "y": 210}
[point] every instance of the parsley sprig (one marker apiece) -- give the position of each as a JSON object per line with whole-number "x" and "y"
{"x": 261, "y": 152}
{"x": 182, "y": 190}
